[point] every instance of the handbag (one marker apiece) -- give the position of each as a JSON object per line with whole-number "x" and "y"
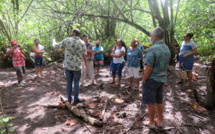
{"x": 183, "y": 72}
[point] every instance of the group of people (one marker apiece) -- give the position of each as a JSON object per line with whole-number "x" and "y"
{"x": 80, "y": 57}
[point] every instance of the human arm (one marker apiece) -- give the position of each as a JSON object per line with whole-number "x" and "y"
{"x": 10, "y": 51}
{"x": 100, "y": 51}
{"x": 190, "y": 53}
{"x": 147, "y": 72}
{"x": 122, "y": 52}
{"x": 36, "y": 51}
{"x": 57, "y": 45}
{"x": 85, "y": 62}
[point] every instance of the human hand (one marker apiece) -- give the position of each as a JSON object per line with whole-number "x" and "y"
{"x": 53, "y": 40}
{"x": 85, "y": 68}
{"x": 184, "y": 56}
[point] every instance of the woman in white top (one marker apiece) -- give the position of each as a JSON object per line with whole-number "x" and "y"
{"x": 118, "y": 60}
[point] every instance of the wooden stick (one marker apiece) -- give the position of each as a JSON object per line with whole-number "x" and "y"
{"x": 104, "y": 109}
{"x": 80, "y": 114}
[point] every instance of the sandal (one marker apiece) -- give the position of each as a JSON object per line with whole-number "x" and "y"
{"x": 128, "y": 87}
{"x": 179, "y": 82}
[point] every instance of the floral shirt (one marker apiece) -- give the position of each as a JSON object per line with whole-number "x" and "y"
{"x": 89, "y": 47}
{"x": 158, "y": 56}
{"x": 18, "y": 58}
{"x": 133, "y": 57}
{"x": 75, "y": 48}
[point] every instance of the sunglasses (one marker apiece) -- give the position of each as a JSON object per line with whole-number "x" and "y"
{"x": 185, "y": 36}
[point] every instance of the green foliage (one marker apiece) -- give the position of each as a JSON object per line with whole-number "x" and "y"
{"x": 5, "y": 124}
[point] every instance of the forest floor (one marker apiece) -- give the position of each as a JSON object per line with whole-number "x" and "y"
{"x": 182, "y": 115}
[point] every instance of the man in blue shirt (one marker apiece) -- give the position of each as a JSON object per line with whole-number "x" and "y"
{"x": 157, "y": 59}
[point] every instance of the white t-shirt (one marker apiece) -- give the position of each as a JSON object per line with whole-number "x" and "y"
{"x": 117, "y": 51}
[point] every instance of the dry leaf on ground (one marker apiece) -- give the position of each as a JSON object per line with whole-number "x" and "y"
{"x": 71, "y": 122}
{"x": 189, "y": 90}
{"x": 60, "y": 104}
{"x": 119, "y": 100}
{"x": 91, "y": 105}
{"x": 53, "y": 93}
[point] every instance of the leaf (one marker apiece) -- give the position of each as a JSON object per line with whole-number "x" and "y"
{"x": 5, "y": 119}
{"x": 71, "y": 122}
{"x": 10, "y": 124}
{"x": 196, "y": 67}
{"x": 189, "y": 90}
{"x": 97, "y": 113}
{"x": 60, "y": 104}
{"x": 194, "y": 105}
{"x": 53, "y": 93}
{"x": 2, "y": 131}
{"x": 119, "y": 100}
{"x": 91, "y": 105}
{"x": 11, "y": 129}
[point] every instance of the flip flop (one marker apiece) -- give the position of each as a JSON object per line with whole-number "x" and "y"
{"x": 128, "y": 87}
{"x": 158, "y": 126}
{"x": 112, "y": 82}
{"x": 150, "y": 127}
{"x": 179, "y": 82}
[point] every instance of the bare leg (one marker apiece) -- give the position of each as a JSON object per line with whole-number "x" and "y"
{"x": 114, "y": 76}
{"x": 119, "y": 80}
{"x": 130, "y": 82}
{"x": 151, "y": 112}
{"x": 160, "y": 114}
{"x": 138, "y": 84}
{"x": 190, "y": 76}
{"x": 41, "y": 70}
{"x": 98, "y": 69}
{"x": 19, "y": 78}
{"x": 180, "y": 81}
{"x": 37, "y": 70}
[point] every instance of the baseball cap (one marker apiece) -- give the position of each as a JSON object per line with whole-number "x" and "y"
{"x": 13, "y": 42}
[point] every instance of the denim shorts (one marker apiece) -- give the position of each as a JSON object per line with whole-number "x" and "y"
{"x": 188, "y": 62}
{"x": 117, "y": 68}
{"x": 38, "y": 61}
{"x": 152, "y": 92}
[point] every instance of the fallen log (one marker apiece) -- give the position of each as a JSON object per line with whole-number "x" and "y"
{"x": 80, "y": 114}
{"x": 103, "y": 111}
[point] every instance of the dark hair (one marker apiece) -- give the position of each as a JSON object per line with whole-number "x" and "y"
{"x": 76, "y": 31}
{"x": 36, "y": 40}
{"x": 189, "y": 35}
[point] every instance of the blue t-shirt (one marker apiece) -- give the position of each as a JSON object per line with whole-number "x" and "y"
{"x": 134, "y": 56}
{"x": 141, "y": 47}
{"x": 98, "y": 56}
{"x": 158, "y": 56}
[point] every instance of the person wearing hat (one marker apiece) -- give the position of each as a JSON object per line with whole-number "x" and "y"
{"x": 90, "y": 58}
{"x": 18, "y": 61}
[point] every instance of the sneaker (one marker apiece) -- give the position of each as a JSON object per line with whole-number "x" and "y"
{"x": 20, "y": 84}
{"x": 79, "y": 100}
{"x": 23, "y": 82}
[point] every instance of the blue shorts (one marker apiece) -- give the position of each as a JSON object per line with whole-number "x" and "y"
{"x": 188, "y": 62}
{"x": 152, "y": 92}
{"x": 38, "y": 61}
{"x": 117, "y": 68}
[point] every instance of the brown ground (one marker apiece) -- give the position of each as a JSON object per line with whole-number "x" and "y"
{"x": 31, "y": 117}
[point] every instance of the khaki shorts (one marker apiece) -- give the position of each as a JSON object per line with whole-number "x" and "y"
{"x": 20, "y": 70}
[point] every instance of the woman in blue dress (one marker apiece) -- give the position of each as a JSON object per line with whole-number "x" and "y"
{"x": 186, "y": 57}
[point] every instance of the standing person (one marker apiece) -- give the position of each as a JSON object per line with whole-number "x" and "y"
{"x": 118, "y": 60}
{"x": 141, "y": 60}
{"x": 186, "y": 56}
{"x": 98, "y": 57}
{"x": 38, "y": 57}
{"x": 90, "y": 68}
{"x": 134, "y": 55}
{"x": 18, "y": 60}
{"x": 157, "y": 59}
{"x": 75, "y": 52}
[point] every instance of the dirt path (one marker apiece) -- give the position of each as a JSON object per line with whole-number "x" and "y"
{"x": 181, "y": 115}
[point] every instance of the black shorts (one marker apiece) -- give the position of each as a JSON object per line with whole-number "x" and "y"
{"x": 20, "y": 70}
{"x": 152, "y": 92}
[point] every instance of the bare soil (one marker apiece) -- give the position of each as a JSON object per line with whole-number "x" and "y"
{"x": 26, "y": 104}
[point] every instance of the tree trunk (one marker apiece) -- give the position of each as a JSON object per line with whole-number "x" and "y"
{"x": 210, "y": 98}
